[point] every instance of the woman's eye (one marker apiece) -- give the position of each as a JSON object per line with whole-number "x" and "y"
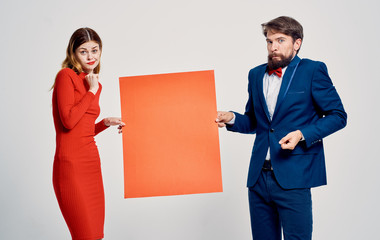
{"x": 95, "y": 51}
{"x": 82, "y": 52}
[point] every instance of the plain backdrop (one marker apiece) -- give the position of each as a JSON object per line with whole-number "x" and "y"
{"x": 148, "y": 37}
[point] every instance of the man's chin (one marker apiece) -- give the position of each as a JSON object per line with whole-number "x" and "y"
{"x": 278, "y": 62}
{"x": 274, "y": 64}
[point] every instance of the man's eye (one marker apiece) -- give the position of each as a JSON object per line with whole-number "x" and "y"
{"x": 281, "y": 40}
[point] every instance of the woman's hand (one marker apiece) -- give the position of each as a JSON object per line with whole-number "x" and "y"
{"x": 93, "y": 82}
{"x": 112, "y": 121}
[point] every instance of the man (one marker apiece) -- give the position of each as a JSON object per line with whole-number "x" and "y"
{"x": 292, "y": 106}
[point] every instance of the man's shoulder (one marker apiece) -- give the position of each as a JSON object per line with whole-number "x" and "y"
{"x": 312, "y": 65}
{"x": 259, "y": 68}
{"x": 307, "y": 61}
{"x": 264, "y": 65}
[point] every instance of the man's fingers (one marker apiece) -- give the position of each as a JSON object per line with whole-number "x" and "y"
{"x": 220, "y": 117}
{"x": 289, "y": 141}
{"x": 284, "y": 139}
{"x": 223, "y": 117}
{"x": 287, "y": 144}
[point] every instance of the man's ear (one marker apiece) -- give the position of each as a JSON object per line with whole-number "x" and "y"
{"x": 297, "y": 44}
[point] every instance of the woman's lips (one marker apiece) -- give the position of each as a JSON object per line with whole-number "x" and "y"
{"x": 91, "y": 63}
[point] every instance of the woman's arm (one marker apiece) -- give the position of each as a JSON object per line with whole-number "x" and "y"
{"x": 106, "y": 122}
{"x": 69, "y": 112}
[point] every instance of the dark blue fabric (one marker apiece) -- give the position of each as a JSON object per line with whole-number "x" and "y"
{"x": 310, "y": 103}
{"x": 273, "y": 207}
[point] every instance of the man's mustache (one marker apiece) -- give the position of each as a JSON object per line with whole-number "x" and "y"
{"x": 275, "y": 55}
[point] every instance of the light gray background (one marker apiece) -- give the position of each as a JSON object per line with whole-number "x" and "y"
{"x": 148, "y": 37}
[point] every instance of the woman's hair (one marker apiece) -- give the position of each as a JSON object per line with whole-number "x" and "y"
{"x": 286, "y": 25}
{"x": 80, "y": 36}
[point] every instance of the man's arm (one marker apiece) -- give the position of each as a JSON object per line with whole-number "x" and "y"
{"x": 329, "y": 106}
{"x": 242, "y": 123}
{"x": 224, "y": 118}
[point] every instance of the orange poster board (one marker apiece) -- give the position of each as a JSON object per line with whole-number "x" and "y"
{"x": 170, "y": 141}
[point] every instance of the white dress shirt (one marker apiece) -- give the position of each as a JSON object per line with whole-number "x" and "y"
{"x": 271, "y": 88}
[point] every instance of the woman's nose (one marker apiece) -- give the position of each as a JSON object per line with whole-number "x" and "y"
{"x": 90, "y": 56}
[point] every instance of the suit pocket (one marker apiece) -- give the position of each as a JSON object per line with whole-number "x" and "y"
{"x": 296, "y": 92}
{"x": 301, "y": 149}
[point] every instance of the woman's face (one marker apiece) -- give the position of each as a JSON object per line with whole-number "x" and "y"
{"x": 88, "y": 55}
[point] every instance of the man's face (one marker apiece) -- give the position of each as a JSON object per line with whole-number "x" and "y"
{"x": 281, "y": 49}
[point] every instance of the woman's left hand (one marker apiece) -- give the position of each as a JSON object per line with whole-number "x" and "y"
{"x": 112, "y": 121}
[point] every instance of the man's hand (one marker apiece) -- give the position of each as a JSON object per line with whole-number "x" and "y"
{"x": 223, "y": 118}
{"x": 291, "y": 140}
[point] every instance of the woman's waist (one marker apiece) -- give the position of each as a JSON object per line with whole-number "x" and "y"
{"x": 75, "y": 141}
{"x": 76, "y": 149}
{"x": 82, "y": 129}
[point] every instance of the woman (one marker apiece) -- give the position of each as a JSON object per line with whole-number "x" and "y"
{"x": 77, "y": 177}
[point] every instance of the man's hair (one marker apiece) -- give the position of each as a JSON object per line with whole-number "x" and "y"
{"x": 286, "y": 25}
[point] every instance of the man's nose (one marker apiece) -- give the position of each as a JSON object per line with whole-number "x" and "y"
{"x": 274, "y": 47}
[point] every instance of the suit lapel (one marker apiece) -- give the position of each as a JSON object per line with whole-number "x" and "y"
{"x": 260, "y": 88}
{"x": 285, "y": 83}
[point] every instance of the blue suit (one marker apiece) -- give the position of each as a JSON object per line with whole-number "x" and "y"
{"x": 306, "y": 102}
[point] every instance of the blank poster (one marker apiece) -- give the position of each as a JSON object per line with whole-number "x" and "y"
{"x": 170, "y": 141}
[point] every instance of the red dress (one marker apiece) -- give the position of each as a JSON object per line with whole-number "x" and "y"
{"x": 77, "y": 177}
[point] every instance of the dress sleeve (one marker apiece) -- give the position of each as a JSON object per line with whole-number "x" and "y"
{"x": 100, "y": 126}
{"x": 69, "y": 111}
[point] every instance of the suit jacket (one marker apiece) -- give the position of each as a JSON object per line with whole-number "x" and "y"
{"x": 308, "y": 102}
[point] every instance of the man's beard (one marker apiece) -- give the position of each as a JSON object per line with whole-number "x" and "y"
{"x": 278, "y": 64}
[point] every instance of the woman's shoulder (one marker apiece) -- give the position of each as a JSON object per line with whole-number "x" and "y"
{"x": 65, "y": 76}
{"x": 67, "y": 71}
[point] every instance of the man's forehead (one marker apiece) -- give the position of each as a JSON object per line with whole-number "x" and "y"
{"x": 271, "y": 34}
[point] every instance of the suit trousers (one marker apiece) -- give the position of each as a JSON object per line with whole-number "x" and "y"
{"x": 273, "y": 209}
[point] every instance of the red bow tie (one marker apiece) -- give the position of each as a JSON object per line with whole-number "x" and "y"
{"x": 277, "y": 71}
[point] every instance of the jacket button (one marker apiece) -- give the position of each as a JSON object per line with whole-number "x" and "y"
{"x": 271, "y": 130}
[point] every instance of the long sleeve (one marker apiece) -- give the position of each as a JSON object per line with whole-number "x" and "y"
{"x": 69, "y": 112}
{"x": 330, "y": 108}
{"x": 100, "y": 126}
{"x": 245, "y": 123}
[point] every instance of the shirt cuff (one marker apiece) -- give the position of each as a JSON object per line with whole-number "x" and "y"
{"x": 302, "y": 138}
{"x": 232, "y": 120}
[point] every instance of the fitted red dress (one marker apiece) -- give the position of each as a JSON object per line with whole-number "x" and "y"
{"x": 77, "y": 177}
